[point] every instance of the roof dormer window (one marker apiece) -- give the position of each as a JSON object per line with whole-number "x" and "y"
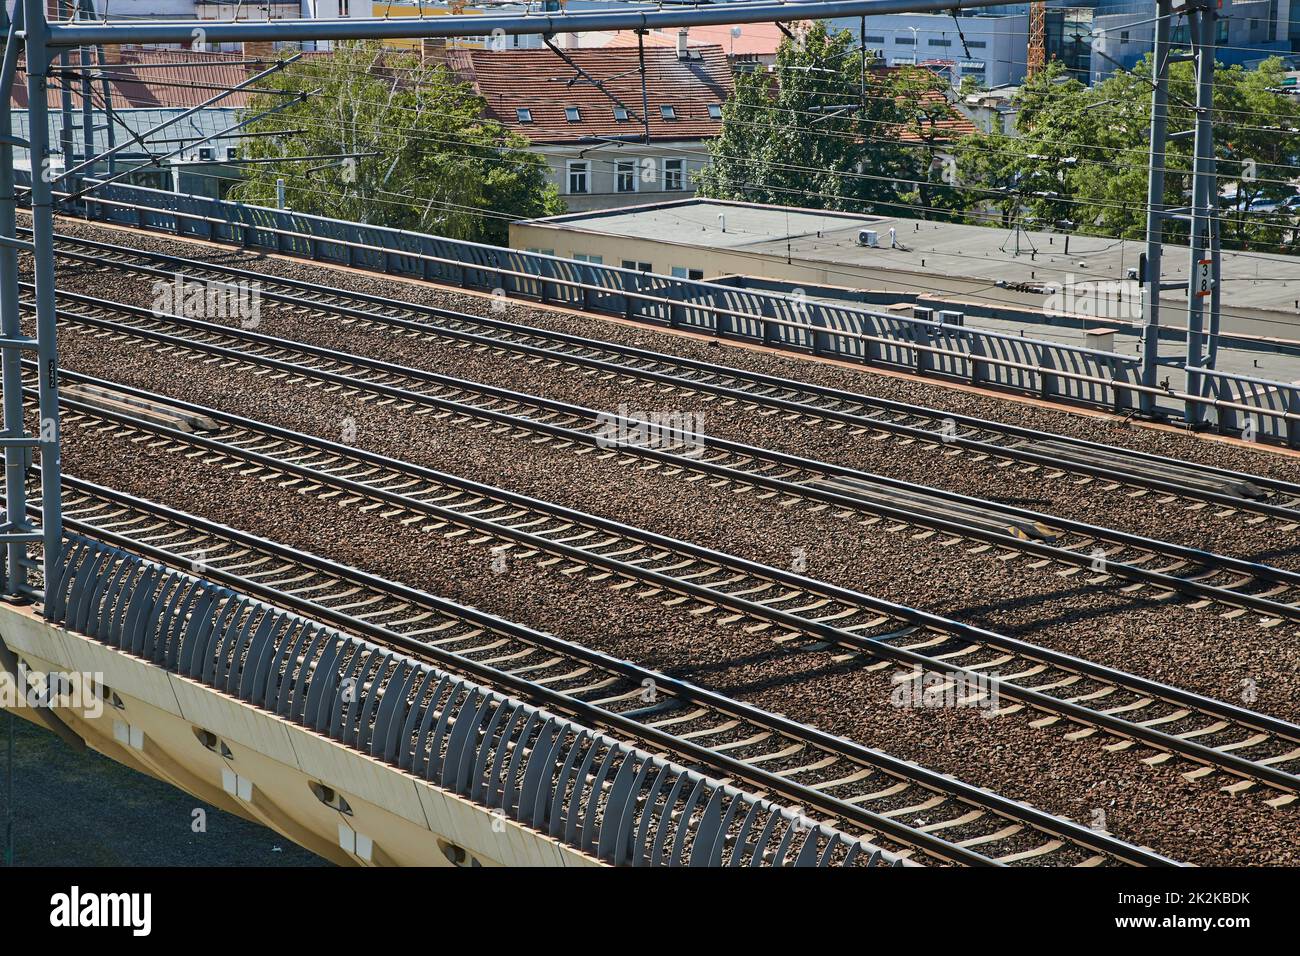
{"x": 715, "y": 111}
{"x": 524, "y": 115}
{"x": 620, "y": 114}
{"x": 572, "y": 114}
{"x": 668, "y": 112}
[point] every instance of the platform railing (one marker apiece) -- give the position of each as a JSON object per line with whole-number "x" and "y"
{"x": 868, "y": 336}
{"x": 582, "y": 787}
{"x": 785, "y": 321}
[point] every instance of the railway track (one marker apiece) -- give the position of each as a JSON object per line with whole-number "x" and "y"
{"x": 1236, "y": 586}
{"x": 1040, "y": 453}
{"x": 792, "y": 609}
{"x": 915, "y": 814}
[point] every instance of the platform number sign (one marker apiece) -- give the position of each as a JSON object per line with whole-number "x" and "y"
{"x": 1204, "y": 281}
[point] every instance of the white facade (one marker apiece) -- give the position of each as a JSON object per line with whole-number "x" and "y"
{"x": 616, "y": 176}
{"x": 993, "y": 53}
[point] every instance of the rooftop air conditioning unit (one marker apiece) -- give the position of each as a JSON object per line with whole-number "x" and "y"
{"x": 868, "y": 237}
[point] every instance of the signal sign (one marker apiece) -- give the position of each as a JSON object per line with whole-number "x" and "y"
{"x": 1204, "y": 281}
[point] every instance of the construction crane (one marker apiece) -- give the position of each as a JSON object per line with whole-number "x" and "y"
{"x": 1037, "y": 55}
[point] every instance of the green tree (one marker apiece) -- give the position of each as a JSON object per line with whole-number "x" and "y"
{"x": 1079, "y": 157}
{"x": 426, "y": 157}
{"x": 922, "y": 96}
{"x": 1025, "y": 177}
{"x": 811, "y": 132}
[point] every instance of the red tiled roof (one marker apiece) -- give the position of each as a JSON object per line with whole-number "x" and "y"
{"x": 951, "y": 124}
{"x": 201, "y": 77}
{"x": 540, "y": 81}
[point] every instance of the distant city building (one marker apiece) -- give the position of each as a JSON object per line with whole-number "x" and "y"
{"x": 990, "y": 111}
{"x": 1247, "y": 32}
{"x": 988, "y": 49}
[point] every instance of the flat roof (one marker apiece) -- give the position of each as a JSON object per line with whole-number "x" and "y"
{"x": 1253, "y": 280}
{"x": 701, "y": 222}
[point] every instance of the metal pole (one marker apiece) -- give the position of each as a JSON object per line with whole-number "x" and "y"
{"x": 87, "y": 109}
{"x": 1155, "y": 204}
{"x": 38, "y": 66}
{"x": 862, "y": 61}
{"x": 1212, "y": 346}
{"x": 15, "y": 457}
{"x": 66, "y": 141}
{"x": 645, "y": 101}
{"x": 1204, "y": 195}
{"x": 106, "y": 94}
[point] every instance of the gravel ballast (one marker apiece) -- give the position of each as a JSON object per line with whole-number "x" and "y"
{"x": 1168, "y": 641}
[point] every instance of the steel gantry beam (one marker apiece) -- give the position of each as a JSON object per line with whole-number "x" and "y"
{"x": 42, "y": 206}
{"x": 17, "y": 529}
{"x": 178, "y": 31}
{"x": 1155, "y": 201}
{"x": 1202, "y": 212}
{"x": 1200, "y": 286}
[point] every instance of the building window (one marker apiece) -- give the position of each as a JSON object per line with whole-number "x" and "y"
{"x": 625, "y": 176}
{"x": 572, "y": 114}
{"x": 579, "y": 177}
{"x": 939, "y": 42}
{"x": 345, "y": 8}
{"x": 584, "y": 257}
{"x": 905, "y": 41}
{"x": 879, "y": 39}
{"x": 524, "y": 115}
{"x": 674, "y": 175}
{"x": 636, "y": 266}
{"x": 715, "y": 111}
{"x": 976, "y": 44}
{"x": 620, "y": 114}
{"x": 540, "y": 252}
{"x": 668, "y": 112}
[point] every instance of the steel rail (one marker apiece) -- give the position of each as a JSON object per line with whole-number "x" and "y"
{"x": 1010, "y": 452}
{"x": 1117, "y": 385}
{"x": 1043, "y": 372}
{"x": 1151, "y": 547}
{"x": 1218, "y": 708}
{"x": 591, "y": 713}
{"x": 709, "y": 595}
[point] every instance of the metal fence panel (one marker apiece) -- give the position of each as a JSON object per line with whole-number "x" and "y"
{"x": 485, "y": 746}
{"x": 835, "y": 329}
